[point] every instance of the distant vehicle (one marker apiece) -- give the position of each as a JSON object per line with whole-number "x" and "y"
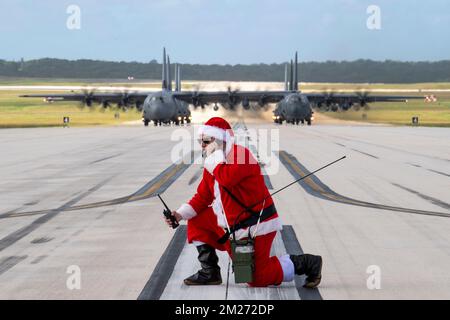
{"x": 171, "y": 105}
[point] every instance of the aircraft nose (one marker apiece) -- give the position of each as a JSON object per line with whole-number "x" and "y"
{"x": 156, "y": 111}
{"x": 292, "y": 108}
{"x": 296, "y": 108}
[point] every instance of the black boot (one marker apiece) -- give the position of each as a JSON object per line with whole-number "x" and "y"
{"x": 309, "y": 265}
{"x": 209, "y": 274}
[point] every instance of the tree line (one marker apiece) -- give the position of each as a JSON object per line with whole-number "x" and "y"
{"x": 358, "y": 71}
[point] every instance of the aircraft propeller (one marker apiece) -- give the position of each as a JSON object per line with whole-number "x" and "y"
{"x": 362, "y": 100}
{"x": 87, "y": 99}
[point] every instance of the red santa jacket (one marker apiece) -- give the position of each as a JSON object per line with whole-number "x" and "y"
{"x": 240, "y": 173}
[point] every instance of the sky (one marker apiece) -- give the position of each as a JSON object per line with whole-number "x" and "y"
{"x": 225, "y": 31}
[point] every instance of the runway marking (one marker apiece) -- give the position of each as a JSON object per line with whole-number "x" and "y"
{"x": 155, "y": 286}
{"x": 428, "y": 198}
{"x": 431, "y": 170}
{"x": 10, "y": 262}
{"x": 39, "y": 259}
{"x": 195, "y": 176}
{"x": 157, "y": 185}
{"x": 414, "y": 165}
{"x": 268, "y": 182}
{"x": 317, "y": 188}
{"x": 438, "y": 172}
{"x": 24, "y": 231}
{"x": 41, "y": 240}
{"x": 367, "y": 154}
{"x": 32, "y": 203}
{"x": 255, "y": 152}
{"x": 293, "y": 246}
{"x": 107, "y": 158}
{"x": 379, "y": 145}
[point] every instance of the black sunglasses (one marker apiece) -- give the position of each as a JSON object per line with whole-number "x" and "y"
{"x": 201, "y": 141}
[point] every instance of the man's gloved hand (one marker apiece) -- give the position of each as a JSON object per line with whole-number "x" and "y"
{"x": 177, "y": 216}
{"x": 210, "y": 148}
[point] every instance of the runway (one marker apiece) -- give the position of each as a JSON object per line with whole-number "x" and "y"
{"x": 85, "y": 197}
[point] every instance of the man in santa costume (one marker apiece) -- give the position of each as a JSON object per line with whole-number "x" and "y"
{"x": 232, "y": 181}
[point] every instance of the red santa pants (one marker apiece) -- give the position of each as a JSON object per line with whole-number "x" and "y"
{"x": 268, "y": 271}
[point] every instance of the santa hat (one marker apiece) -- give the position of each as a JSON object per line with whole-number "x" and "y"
{"x": 218, "y": 128}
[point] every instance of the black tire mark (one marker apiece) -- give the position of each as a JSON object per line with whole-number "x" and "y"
{"x": 157, "y": 185}
{"x": 15, "y": 236}
{"x": 317, "y": 188}
{"x": 428, "y": 198}
{"x": 9, "y": 262}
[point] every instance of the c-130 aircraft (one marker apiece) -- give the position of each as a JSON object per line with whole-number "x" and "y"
{"x": 172, "y": 106}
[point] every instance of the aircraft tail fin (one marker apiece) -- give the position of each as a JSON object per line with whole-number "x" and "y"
{"x": 291, "y": 77}
{"x": 164, "y": 72}
{"x": 169, "y": 78}
{"x": 178, "y": 73}
{"x": 175, "y": 78}
{"x": 286, "y": 83}
{"x": 296, "y": 72}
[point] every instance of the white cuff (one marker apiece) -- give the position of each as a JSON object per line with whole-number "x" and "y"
{"x": 186, "y": 211}
{"x": 213, "y": 160}
{"x": 288, "y": 268}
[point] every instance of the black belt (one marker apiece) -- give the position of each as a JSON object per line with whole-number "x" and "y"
{"x": 251, "y": 221}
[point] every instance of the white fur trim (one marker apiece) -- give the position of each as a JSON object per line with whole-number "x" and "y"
{"x": 215, "y": 132}
{"x": 288, "y": 268}
{"x": 198, "y": 243}
{"x": 186, "y": 211}
{"x": 218, "y": 207}
{"x": 213, "y": 160}
{"x": 264, "y": 227}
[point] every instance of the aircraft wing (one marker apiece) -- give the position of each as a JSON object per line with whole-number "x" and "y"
{"x": 201, "y": 98}
{"x": 362, "y": 98}
{"x": 123, "y": 98}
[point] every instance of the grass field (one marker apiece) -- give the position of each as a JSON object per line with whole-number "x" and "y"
{"x": 430, "y": 114}
{"x": 21, "y": 112}
{"x": 375, "y": 86}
